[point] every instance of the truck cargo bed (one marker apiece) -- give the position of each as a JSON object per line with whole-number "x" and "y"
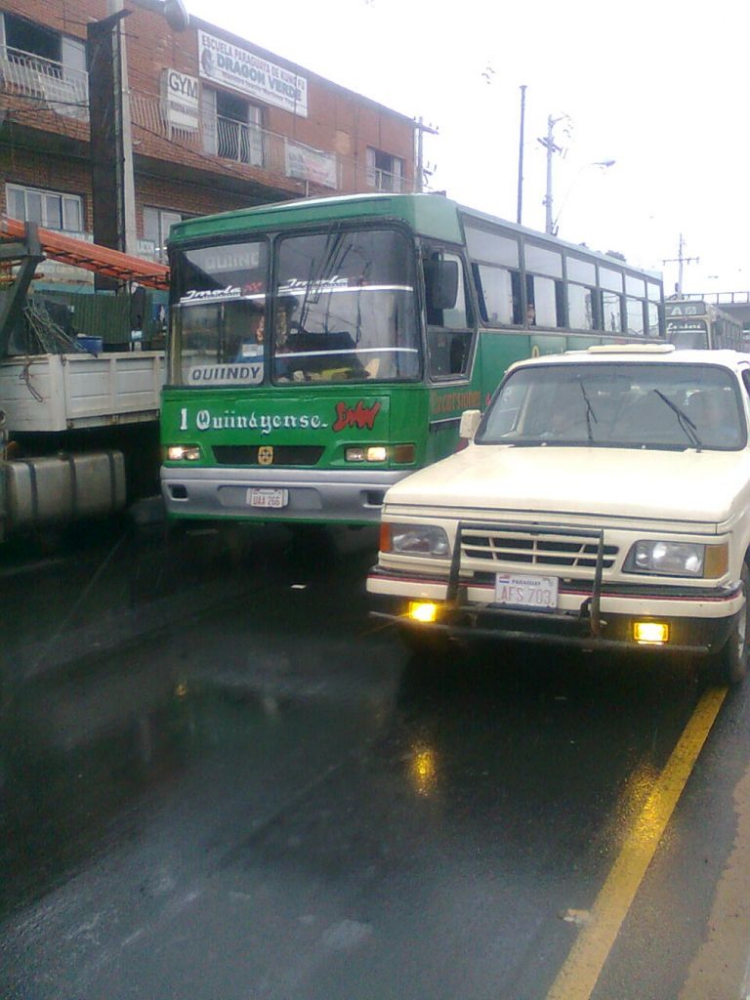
{"x": 59, "y": 392}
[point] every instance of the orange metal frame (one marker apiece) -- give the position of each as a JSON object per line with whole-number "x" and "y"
{"x": 91, "y": 256}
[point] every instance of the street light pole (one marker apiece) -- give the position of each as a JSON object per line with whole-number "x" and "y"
{"x": 519, "y": 209}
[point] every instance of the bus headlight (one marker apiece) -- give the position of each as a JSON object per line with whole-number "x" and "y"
{"x": 401, "y": 454}
{"x": 183, "y": 453}
{"x": 414, "y": 539}
{"x": 371, "y": 453}
{"x": 662, "y": 558}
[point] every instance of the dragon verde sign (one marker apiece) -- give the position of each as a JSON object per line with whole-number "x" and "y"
{"x": 233, "y": 66}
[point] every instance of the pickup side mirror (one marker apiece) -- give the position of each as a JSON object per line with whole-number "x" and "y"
{"x": 469, "y": 423}
{"x": 441, "y": 277}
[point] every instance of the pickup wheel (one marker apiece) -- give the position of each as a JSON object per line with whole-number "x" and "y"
{"x": 731, "y": 662}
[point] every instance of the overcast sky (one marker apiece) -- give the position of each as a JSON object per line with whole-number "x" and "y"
{"x": 660, "y": 87}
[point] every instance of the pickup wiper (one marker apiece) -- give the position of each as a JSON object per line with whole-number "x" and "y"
{"x": 589, "y": 412}
{"x": 687, "y": 425}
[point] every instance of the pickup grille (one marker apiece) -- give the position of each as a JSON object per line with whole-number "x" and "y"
{"x": 543, "y": 551}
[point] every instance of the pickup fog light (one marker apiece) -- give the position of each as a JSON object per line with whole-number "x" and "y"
{"x": 183, "y": 453}
{"x": 414, "y": 539}
{"x": 373, "y": 453}
{"x": 662, "y": 558}
{"x": 655, "y": 633}
{"x": 422, "y": 611}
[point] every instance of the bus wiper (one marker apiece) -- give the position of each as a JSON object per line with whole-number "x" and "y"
{"x": 590, "y": 415}
{"x": 318, "y": 271}
{"x": 687, "y": 425}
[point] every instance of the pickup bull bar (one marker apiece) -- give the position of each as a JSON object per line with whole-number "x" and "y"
{"x": 588, "y": 619}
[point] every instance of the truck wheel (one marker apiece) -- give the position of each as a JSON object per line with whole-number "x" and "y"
{"x": 732, "y": 660}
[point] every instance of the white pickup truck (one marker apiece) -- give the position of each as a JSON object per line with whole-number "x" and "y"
{"x": 602, "y": 501}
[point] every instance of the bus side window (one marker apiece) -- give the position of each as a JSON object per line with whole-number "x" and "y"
{"x": 515, "y": 284}
{"x": 612, "y": 312}
{"x": 477, "y": 279}
{"x": 560, "y": 304}
{"x": 499, "y": 294}
{"x": 635, "y": 313}
{"x": 449, "y": 331}
{"x": 597, "y": 309}
{"x": 545, "y": 296}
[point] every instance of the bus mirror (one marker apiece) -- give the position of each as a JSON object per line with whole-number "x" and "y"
{"x": 469, "y": 423}
{"x": 442, "y": 283}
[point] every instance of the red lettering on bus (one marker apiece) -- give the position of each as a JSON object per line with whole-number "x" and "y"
{"x": 359, "y": 416}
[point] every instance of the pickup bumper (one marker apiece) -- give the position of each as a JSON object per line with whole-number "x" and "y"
{"x": 700, "y": 636}
{"x": 590, "y": 614}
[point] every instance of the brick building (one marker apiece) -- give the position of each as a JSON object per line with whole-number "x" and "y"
{"x": 214, "y": 122}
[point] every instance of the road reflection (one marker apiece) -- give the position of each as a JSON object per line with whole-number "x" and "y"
{"x": 331, "y": 805}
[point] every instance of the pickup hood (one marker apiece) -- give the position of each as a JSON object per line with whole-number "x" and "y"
{"x": 705, "y": 486}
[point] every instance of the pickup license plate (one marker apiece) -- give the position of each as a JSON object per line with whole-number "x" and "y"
{"x": 273, "y": 498}
{"x": 534, "y": 593}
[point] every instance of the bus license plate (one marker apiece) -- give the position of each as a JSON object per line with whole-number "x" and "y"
{"x": 267, "y": 498}
{"x": 536, "y": 593}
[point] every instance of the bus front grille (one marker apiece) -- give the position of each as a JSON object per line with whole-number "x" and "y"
{"x": 267, "y": 455}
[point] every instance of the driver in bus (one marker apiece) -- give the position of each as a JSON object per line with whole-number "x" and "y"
{"x": 253, "y": 339}
{"x": 284, "y": 369}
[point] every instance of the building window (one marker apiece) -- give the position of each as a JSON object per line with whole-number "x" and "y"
{"x": 46, "y": 64}
{"x": 384, "y": 172}
{"x": 49, "y": 209}
{"x": 232, "y": 127}
{"x": 156, "y": 225}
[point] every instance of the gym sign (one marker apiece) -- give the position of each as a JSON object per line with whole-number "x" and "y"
{"x": 180, "y": 101}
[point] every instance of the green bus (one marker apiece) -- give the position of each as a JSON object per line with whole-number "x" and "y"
{"x": 695, "y": 323}
{"x": 320, "y": 350}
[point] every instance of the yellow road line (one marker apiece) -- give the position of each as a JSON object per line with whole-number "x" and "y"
{"x": 581, "y": 970}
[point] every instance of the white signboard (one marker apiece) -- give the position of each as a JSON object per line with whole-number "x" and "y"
{"x": 231, "y": 374}
{"x": 180, "y": 100}
{"x": 232, "y": 66}
{"x": 308, "y": 164}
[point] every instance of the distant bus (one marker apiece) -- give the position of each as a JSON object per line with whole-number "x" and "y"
{"x": 320, "y": 350}
{"x": 694, "y": 323}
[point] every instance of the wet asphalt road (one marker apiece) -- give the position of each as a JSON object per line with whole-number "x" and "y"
{"x": 221, "y": 781}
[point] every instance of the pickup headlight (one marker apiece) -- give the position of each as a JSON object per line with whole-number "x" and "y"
{"x": 661, "y": 558}
{"x": 414, "y": 539}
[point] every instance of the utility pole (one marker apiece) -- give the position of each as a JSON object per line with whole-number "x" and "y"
{"x": 111, "y": 143}
{"x": 681, "y": 260}
{"x": 551, "y": 147}
{"x": 421, "y": 129}
{"x": 519, "y": 209}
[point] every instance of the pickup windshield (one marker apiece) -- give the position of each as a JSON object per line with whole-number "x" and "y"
{"x": 669, "y": 406}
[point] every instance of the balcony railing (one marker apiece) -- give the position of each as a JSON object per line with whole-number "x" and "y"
{"x": 242, "y": 143}
{"x": 60, "y": 88}
{"x": 385, "y": 180}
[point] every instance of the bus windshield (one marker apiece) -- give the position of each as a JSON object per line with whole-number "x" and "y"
{"x": 688, "y": 335}
{"x": 342, "y": 308}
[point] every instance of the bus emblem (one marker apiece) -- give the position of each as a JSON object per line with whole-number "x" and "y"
{"x": 265, "y": 455}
